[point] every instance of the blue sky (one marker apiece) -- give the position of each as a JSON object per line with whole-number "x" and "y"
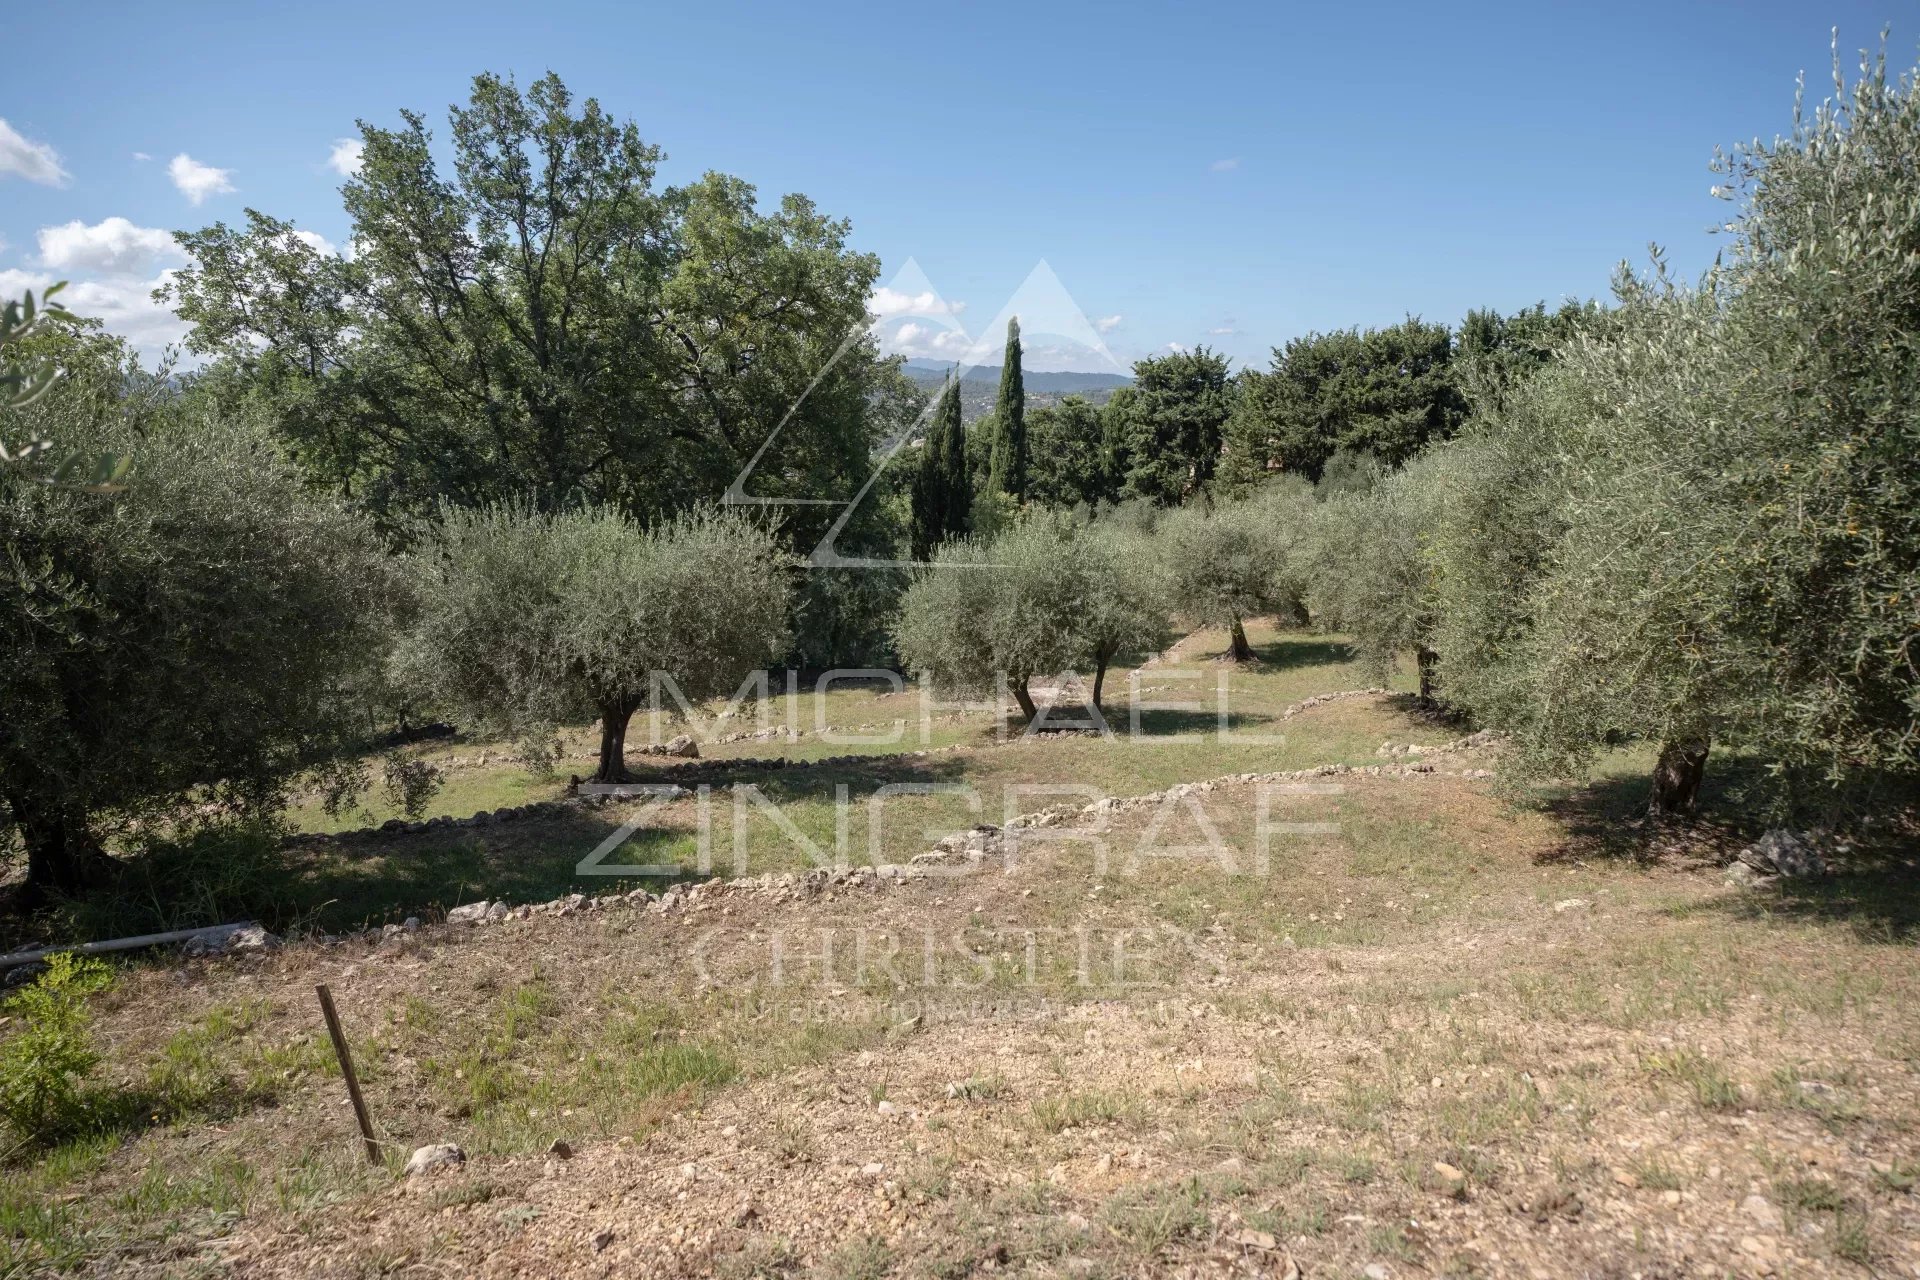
{"x": 1234, "y": 174}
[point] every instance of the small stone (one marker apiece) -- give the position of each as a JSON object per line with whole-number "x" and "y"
{"x": 1256, "y": 1239}
{"x": 561, "y": 1149}
{"x": 886, "y": 1108}
{"x": 874, "y": 1169}
{"x": 472, "y": 913}
{"x": 1377, "y": 1271}
{"x": 602, "y": 1239}
{"x": 1762, "y": 1211}
{"x": 429, "y": 1159}
{"x": 1570, "y": 904}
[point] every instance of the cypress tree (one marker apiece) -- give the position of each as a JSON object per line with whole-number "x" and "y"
{"x": 928, "y": 496}
{"x": 1008, "y": 471}
{"x": 958, "y": 490}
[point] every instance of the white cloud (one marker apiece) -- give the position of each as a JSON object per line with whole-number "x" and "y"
{"x": 1178, "y": 348}
{"x": 346, "y": 157}
{"x": 886, "y": 303}
{"x": 113, "y": 245}
{"x": 124, "y": 304}
{"x": 34, "y": 161}
{"x": 1223, "y": 331}
{"x": 925, "y": 342}
{"x": 198, "y": 181}
{"x": 142, "y": 156}
{"x": 1222, "y": 166}
{"x": 1107, "y": 324}
{"x": 316, "y": 242}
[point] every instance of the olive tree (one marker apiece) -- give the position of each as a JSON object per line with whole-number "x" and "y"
{"x": 1370, "y": 569}
{"x": 1696, "y": 527}
{"x": 1124, "y": 610}
{"x": 529, "y": 619}
{"x": 1238, "y": 561}
{"x": 990, "y": 616}
{"x": 181, "y": 647}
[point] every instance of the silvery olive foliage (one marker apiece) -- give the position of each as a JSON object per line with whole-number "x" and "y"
{"x": 1370, "y": 568}
{"x": 1239, "y": 560}
{"x": 1042, "y": 598}
{"x": 183, "y": 647}
{"x": 1701, "y": 523}
{"x": 530, "y": 620}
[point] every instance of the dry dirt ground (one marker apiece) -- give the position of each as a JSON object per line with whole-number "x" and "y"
{"x": 1442, "y": 1034}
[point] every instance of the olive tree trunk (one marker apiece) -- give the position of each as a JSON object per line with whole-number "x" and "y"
{"x": 1427, "y": 660}
{"x": 63, "y": 855}
{"x": 1101, "y": 658}
{"x": 1677, "y": 775}
{"x": 614, "y": 719}
{"x": 1241, "y": 651}
{"x": 1022, "y": 696}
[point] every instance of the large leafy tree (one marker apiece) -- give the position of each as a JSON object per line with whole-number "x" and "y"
{"x": 185, "y": 646}
{"x": 1388, "y": 392}
{"x": 1168, "y": 428}
{"x": 539, "y": 322}
{"x": 529, "y": 620}
{"x": 1068, "y": 463}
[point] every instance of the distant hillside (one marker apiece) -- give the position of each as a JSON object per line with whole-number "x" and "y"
{"x": 981, "y": 386}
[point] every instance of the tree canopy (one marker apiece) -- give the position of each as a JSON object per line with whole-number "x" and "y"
{"x": 529, "y": 620}
{"x": 1387, "y": 392}
{"x": 542, "y": 323}
{"x": 186, "y": 646}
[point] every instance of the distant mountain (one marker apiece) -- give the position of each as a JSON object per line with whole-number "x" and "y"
{"x": 1035, "y": 380}
{"x": 981, "y": 387}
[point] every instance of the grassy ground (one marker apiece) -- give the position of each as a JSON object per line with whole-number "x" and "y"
{"x": 1449, "y": 1036}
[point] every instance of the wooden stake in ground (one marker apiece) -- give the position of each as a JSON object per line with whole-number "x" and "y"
{"x": 346, "y": 1069}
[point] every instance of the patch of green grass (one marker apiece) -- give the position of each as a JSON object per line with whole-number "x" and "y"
{"x": 867, "y": 1258}
{"x": 1655, "y": 1174}
{"x": 1812, "y": 1195}
{"x": 1083, "y": 1110}
{"x": 1150, "y": 1218}
{"x": 1853, "y": 1239}
{"x": 1712, "y": 1088}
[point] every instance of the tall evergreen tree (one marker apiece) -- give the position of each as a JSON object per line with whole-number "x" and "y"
{"x": 942, "y": 493}
{"x": 1008, "y": 472}
{"x": 953, "y": 445}
{"x": 927, "y": 524}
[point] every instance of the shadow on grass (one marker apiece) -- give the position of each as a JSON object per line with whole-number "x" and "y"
{"x": 298, "y": 884}
{"x": 1303, "y": 651}
{"x": 1876, "y": 890}
{"x": 1171, "y": 723}
{"x": 1607, "y": 818}
{"x": 1879, "y": 903}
